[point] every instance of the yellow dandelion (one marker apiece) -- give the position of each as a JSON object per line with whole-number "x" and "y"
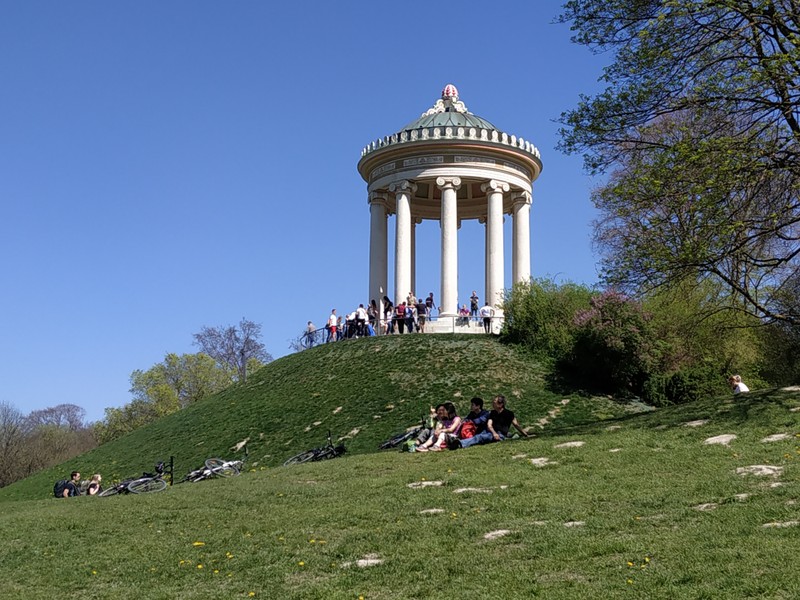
{"x": 251, "y": 594}
{"x": 280, "y": 539}
{"x": 629, "y": 582}
{"x": 312, "y": 541}
{"x": 630, "y": 564}
{"x": 216, "y": 571}
{"x": 199, "y": 566}
{"x": 183, "y": 562}
{"x": 647, "y": 559}
{"x": 198, "y": 543}
{"x": 301, "y": 564}
{"x": 422, "y": 479}
{"x": 94, "y": 572}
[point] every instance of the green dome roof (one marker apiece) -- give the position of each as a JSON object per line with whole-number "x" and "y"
{"x": 449, "y": 118}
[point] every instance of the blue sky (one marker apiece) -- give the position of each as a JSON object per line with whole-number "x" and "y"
{"x": 170, "y": 165}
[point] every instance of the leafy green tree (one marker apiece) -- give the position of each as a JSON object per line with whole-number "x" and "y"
{"x": 699, "y": 129}
{"x": 179, "y": 380}
{"x": 165, "y": 388}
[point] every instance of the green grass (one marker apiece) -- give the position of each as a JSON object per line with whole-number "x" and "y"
{"x": 297, "y": 532}
{"x": 364, "y": 391}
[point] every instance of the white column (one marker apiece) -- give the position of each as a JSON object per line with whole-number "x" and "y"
{"x": 521, "y": 243}
{"x": 414, "y": 222}
{"x": 448, "y": 304}
{"x": 378, "y": 255}
{"x": 494, "y": 241}
{"x": 402, "y": 244}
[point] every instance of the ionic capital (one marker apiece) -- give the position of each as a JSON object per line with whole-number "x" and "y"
{"x": 381, "y": 198}
{"x": 403, "y": 187}
{"x": 448, "y": 183}
{"x": 495, "y": 186}
{"x": 521, "y": 199}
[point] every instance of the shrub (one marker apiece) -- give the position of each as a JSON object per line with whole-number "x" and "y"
{"x": 539, "y": 316}
{"x": 614, "y": 350}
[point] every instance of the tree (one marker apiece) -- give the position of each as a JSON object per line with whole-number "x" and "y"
{"x": 165, "y": 388}
{"x": 12, "y": 443}
{"x": 699, "y": 128}
{"x": 178, "y": 381}
{"x": 237, "y": 349}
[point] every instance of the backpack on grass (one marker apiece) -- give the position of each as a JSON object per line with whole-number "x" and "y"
{"x": 59, "y": 487}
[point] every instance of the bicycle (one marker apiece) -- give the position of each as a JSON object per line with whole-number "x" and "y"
{"x": 408, "y": 434}
{"x": 148, "y": 482}
{"x": 315, "y": 454}
{"x": 216, "y": 467}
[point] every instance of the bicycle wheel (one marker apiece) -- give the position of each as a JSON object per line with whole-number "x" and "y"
{"x": 112, "y": 491}
{"x": 395, "y": 441}
{"x": 221, "y": 468}
{"x": 300, "y": 458}
{"x": 326, "y": 454}
{"x": 146, "y": 484}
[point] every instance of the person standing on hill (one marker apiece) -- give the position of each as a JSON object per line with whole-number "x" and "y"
{"x": 430, "y": 304}
{"x": 487, "y": 312}
{"x": 422, "y": 315}
{"x": 473, "y": 305}
{"x": 497, "y": 425}
{"x": 332, "y": 323}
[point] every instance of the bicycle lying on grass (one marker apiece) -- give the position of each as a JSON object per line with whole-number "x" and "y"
{"x": 148, "y": 482}
{"x": 400, "y": 438}
{"x": 216, "y": 467}
{"x": 322, "y": 453}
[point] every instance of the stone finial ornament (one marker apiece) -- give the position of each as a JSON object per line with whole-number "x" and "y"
{"x": 448, "y": 102}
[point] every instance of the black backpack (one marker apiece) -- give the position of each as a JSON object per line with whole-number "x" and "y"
{"x": 59, "y": 487}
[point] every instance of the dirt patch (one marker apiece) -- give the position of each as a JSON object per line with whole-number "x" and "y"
{"x": 472, "y": 489}
{"x": 542, "y": 462}
{"x": 697, "y": 423}
{"x": 782, "y": 524}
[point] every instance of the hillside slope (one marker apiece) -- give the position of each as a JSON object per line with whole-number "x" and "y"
{"x": 651, "y": 505}
{"x": 362, "y": 390}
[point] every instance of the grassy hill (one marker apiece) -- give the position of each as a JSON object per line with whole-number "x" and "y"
{"x": 363, "y": 391}
{"x": 602, "y": 503}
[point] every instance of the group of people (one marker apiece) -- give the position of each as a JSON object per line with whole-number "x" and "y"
{"x": 75, "y": 487}
{"x": 447, "y": 431}
{"x": 408, "y": 315}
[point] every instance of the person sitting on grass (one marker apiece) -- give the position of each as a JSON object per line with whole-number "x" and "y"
{"x": 94, "y": 485}
{"x": 737, "y": 385}
{"x": 497, "y": 425}
{"x": 67, "y": 488}
{"x": 475, "y": 421}
{"x": 446, "y": 431}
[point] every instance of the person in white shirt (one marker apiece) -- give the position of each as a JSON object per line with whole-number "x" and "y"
{"x": 737, "y": 384}
{"x": 332, "y": 326}
{"x": 487, "y": 312}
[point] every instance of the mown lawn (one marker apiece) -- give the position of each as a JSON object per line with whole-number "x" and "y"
{"x": 642, "y": 509}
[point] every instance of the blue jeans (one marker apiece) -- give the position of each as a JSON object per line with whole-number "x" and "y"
{"x": 484, "y": 437}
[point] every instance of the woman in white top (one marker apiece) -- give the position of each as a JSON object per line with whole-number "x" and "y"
{"x": 737, "y": 384}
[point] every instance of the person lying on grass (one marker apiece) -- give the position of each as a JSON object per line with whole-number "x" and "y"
{"x": 497, "y": 426}
{"x": 446, "y": 429}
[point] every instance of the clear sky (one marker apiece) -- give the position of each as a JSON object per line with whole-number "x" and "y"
{"x": 170, "y": 165}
